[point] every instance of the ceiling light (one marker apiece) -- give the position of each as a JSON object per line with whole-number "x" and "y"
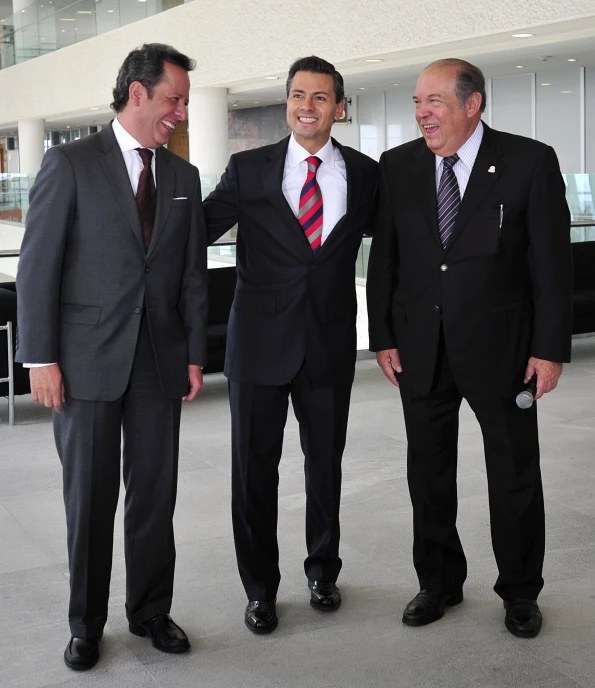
{"x": 520, "y": 66}
{"x": 67, "y": 19}
{"x": 571, "y": 59}
{"x": 565, "y": 91}
{"x": 94, "y": 108}
{"x": 280, "y": 99}
{"x": 361, "y": 88}
{"x": 374, "y": 59}
{"x": 257, "y": 102}
{"x": 235, "y": 104}
{"x": 63, "y": 30}
{"x": 272, "y": 78}
{"x": 109, "y": 11}
{"x": 522, "y": 35}
{"x": 84, "y": 12}
{"x": 68, "y": 126}
{"x": 546, "y": 84}
{"x": 22, "y": 10}
{"x": 396, "y": 84}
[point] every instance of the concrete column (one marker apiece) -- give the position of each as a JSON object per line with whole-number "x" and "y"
{"x": 31, "y": 138}
{"x": 207, "y": 130}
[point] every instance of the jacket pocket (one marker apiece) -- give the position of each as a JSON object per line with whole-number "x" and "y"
{"x": 252, "y": 301}
{"x": 79, "y": 314}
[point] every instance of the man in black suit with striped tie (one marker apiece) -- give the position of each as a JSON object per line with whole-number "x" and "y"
{"x": 302, "y": 206}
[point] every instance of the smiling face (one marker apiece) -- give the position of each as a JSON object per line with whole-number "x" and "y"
{"x": 312, "y": 108}
{"x": 152, "y": 119}
{"x": 445, "y": 122}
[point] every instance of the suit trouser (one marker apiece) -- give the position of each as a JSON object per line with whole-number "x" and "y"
{"x": 88, "y": 438}
{"x": 259, "y": 414}
{"x": 514, "y": 487}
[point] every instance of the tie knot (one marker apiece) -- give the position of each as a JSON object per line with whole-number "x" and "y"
{"x": 146, "y": 155}
{"x": 313, "y": 163}
{"x": 450, "y": 162}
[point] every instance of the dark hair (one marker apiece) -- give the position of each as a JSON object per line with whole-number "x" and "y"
{"x": 318, "y": 66}
{"x": 146, "y": 65}
{"x": 470, "y": 79}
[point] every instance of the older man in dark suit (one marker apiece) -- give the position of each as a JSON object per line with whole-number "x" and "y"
{"x": 112, "y": 294}
{"x": 302, "y": 206}
{"x": 469, "y": 296}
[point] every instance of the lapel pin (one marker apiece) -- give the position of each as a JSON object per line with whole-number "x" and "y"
{"x": 491, "y": 169}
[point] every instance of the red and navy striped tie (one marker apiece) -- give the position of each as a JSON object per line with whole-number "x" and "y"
{"x": 449, "y": 199}
{"x": 310, "y": 210}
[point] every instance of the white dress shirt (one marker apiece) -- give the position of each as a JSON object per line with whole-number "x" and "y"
{"x": 467, "y": 154}
{"x": 331, "y": 177}
{"x": 134, "y": 166}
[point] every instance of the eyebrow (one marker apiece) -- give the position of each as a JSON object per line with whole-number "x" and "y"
{"x": 432, "y": 95}
{"x": 316, "y": 93}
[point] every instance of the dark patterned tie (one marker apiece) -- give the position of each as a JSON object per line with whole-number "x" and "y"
{"x": 449, "y": 199}
{"x": 310, "y": 210}
{"x": 145, "y": 195}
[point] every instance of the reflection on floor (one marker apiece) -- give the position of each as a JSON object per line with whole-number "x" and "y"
{"x": 364, "y": 643}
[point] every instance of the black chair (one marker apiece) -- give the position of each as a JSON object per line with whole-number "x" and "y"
{"x": 221, "y": 284}
{"x": 583, "y": 295}
{"x": 15, "y": 377}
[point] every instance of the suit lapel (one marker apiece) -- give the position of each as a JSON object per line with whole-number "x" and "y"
{"x": 272, "y": 179}
{"x": 486, "y": 171}
{"x": 114, "y": 167}
{"x": 424, "y": 181}
{"x": 166, "y": 177}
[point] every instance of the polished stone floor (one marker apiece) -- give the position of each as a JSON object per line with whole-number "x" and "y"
{"x": 364, "y": 643}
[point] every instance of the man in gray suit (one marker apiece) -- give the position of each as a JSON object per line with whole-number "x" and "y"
{"x": 112, "y": 314}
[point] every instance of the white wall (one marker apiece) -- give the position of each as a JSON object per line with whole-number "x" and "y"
{"x": 235, "y": 41}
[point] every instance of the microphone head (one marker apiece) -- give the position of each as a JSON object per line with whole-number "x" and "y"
{"x": 524, "y": 399}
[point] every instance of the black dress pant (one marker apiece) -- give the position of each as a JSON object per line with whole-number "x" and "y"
{"x": 88, "y": 437}
{"x": 514, "y": 486}
{"x": 259, "y": 414}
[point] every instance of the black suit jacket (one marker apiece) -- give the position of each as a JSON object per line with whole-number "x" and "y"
{"x": 502, "y": 289}
{"x": 84, "y": 275}
{"x": 289, "y": 304}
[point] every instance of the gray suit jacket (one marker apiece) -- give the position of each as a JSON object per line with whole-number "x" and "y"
{"x": 85, "y": 278}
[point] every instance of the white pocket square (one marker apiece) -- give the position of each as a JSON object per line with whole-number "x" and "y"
{"x": 181, "y": 198}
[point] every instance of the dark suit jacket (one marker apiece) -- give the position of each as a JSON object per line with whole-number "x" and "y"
{"x": 84, "y": 276}
{"x": 289, "y": 304}
{"x": 502, "y": 291}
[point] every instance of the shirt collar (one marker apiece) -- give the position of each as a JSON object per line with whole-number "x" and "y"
{"x": 126, "y": 141}
{"x": 468, "y": 151}
{"x": 297, "y": 153}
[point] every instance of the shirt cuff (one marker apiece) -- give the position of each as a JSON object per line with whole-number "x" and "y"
{"x": 37, "y": 365}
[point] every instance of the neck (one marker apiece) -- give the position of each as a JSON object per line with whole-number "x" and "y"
{"x": 311, "y": 145}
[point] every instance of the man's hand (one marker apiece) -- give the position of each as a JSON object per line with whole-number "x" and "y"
{"x": 548, "y": 374}
{"x": 390, "y": 363}
{"x": 195, "y": 382}
{"x": 47, "y": 386}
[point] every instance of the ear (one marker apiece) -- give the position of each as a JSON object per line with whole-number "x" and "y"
{"x": 473, "y": 104}
{"x": 340, "y": 111}
{"x": 135, "y": 92}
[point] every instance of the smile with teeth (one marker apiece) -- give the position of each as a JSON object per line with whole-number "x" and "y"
{"x": 169, "y": 125}
{"x": 430, "y": 127}
{"x": 307, "y": 120}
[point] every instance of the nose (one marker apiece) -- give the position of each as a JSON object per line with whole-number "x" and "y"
{"x": 308, "y": 103}
{"x": 182, "y": 112}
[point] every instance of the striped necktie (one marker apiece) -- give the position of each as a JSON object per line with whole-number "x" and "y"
{"x": 310, "y": 210}
{"x": 449, "y": 199}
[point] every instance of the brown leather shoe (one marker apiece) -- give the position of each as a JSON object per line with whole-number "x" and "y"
{"x": 428, "y": 606}
{"x": 82, "y": 653}
{"x": 523, "y": 617}
{"x": 165, "y": 634}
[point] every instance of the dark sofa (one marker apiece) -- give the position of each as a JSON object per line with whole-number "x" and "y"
{"x": 8, "y": 312}
{"x": 583, "y": 298}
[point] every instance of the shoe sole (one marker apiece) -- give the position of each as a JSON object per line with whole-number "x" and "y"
{"x": 262, "y": 631}
{"x": 138, "y": 630}
{"x": 80, "y": 667}
{"x": 325, "y": 607}
{"x": 451, "y": 601}
{"x": 519, "y": 634}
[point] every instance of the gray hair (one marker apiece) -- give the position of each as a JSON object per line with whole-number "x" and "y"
{"x": 470, "y": 79}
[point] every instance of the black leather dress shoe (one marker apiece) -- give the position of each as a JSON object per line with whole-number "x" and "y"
{"x": 165, "y": 634}
{"x": 261, "y": 616}
{"x": 428, "y": 606}
{"x": 523, "y": 617}
{"x": 324, "y": 596}
{"x": 82, "y": 653}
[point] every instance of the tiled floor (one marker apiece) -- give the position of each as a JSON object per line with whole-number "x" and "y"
{"x": 364, "y": 643}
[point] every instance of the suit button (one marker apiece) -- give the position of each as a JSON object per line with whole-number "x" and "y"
{"x": 147, "y": 268}
{"x": 444, "y": 267}
{"x": 138, "y": 310}
{"x": 436, "y": 308}
{"x": 312, "y": 266}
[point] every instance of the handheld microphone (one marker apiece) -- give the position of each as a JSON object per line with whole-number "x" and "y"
{"x": 525, "y": 399}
